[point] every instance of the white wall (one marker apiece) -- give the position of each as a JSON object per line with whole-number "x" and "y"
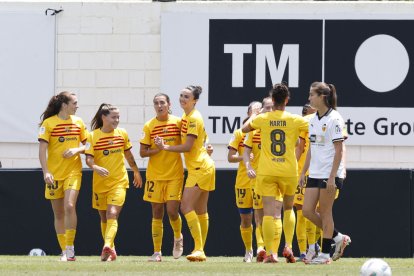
{"x": 110, "y": 52}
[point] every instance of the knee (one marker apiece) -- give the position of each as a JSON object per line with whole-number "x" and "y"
{"x": 307, "y": 212}
{"x": 59, "y": 215}
{"x": 185, "y": 208}
{"x": 69, "y": 207}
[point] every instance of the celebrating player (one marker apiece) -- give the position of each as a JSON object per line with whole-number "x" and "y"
{"x": 277, "y": 170}
{"x": 165, "y": 174}
{"x": 60, "y": 136}
{"x": 106, "y": 148}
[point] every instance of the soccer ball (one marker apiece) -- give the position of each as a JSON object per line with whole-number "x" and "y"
{"x": 375, "y": 267}
{"x": 37, "y": 252}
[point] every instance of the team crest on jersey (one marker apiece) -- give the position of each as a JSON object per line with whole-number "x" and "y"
{"x": 67, "y": 129}
{"x": 105, "y": 152}
{"x": 165, "y": 130}
{"x": 110, "y": 142}
{"x": 324, "y": 127}
{"x": 61, "y": 139}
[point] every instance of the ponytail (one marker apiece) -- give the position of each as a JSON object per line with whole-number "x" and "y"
{"x": 55, "y": 105}
{"x": 104, "y": 109}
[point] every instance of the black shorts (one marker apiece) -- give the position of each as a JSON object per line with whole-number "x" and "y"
{"x": 321, "y": 183}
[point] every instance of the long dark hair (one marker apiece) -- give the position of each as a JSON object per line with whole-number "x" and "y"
{"x": 280, "y": 92}
{"x": 328, "y": 90}
{"x": 55, "y": 104}
{"x": 104, "y": 109}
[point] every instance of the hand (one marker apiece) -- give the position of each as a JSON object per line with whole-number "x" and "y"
{"x": 100, "y": 170}
{"x": 330, "y": 185}
{"x": 48, "y": 177}
{"x": 251, "y": 173}
{"x": 69, "y": 153}
{"x": 210, "y": 149}
{"x": 159, "y": 142}
{"x": 137, "y": 180}
{"x": 301, "y": 180}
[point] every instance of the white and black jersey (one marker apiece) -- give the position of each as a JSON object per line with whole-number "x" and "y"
{"x": 323, "y": 132}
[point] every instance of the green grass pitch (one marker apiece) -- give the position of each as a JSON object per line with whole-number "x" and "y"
{"x": 138, "y": 265}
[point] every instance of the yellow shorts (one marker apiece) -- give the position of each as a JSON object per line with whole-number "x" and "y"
{"x": 160, "y": 191}
{"x": 244, "y": 198}
{"x": 57, "y": 190}
{"x": 205, "y": 179}
{"x": 112, "y": 197}
{"x": 276, "y": 186}
{"x": 257, "y": 200}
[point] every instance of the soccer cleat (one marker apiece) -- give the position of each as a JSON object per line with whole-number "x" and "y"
{"x": 271, "y": 259}
{"x": 261, "y": 255}
{"x": 320, "y": 260}
{"x": 340, "y": 247}
{"x": 302, "y": 257}
{"x": 288, "y": 254}
{"x": 197, "y": 256}
{"x": 310, "y": 255}
{"x": 178, "y": 247}
{"x": 248, "y": 257}
{"x": 63, "y": 256}
{"x": 70, "y": 254}
{"x": 106, "y": 253}
{"x": 156, "y": 257}
{"x": 112, "y": 256}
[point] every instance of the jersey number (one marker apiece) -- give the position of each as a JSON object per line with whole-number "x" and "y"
{"x": 278, "y": 146}
{"x": 241, "y": 193}
{"x": 150, "y": 186}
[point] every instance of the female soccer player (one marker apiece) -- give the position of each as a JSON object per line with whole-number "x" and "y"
{"x": 277, "y": 170}
{"x": 60, "y": 136}
{"x": 106, "y": 148}
{"x": 326, "y": 169}
{"x": 165, "y": 174}
{"x": 243, "y": 186}
{"x": 201, "y": 170}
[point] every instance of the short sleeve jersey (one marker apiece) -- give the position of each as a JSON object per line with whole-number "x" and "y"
{"x": 253, "y": 141}
{"x": 279, "y": 133}
{"x": 164, "y": 165}
{"x": 60, "y": 136}
{"x": 236, "y": 143}
{"x": 323, "y": 132}
{"x": 305, "y": 136}
{"x": 193, "y": 125}
{"x": 108, "y": 152}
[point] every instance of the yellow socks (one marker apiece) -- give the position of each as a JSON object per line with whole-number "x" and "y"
{"x": 157, "y": 233}
{"x": 301, "y": 231}
{"x": 195, "y": 229}
{"x": 278, "y": 234}
{"x": 268, "y": 227}
{"x": 70, "y": 236}
{"x": 110, "y": 233}
{"x": 247, "y": 237}
{"x": 289, "y": 220}
{"x": 310, "y": 232}
{"x": 176, "y": 226}
{"x": 259, "y": 236}
{"x": 204, "y": 220}
{"x": 62, "y": 241}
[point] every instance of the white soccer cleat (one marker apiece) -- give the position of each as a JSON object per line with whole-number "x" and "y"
{"x": 70, "y": 254}
{"x": 197, "y": 256}
{"x": 321, "y": 259}
{"x": 248, "y": 257}
{"x": 178, "y": 247}
{"x": 156, "y": 257}
{"x": 340, "y": 247}
{"x": 310, "y": 255}
{"x": 63, "y": 256}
